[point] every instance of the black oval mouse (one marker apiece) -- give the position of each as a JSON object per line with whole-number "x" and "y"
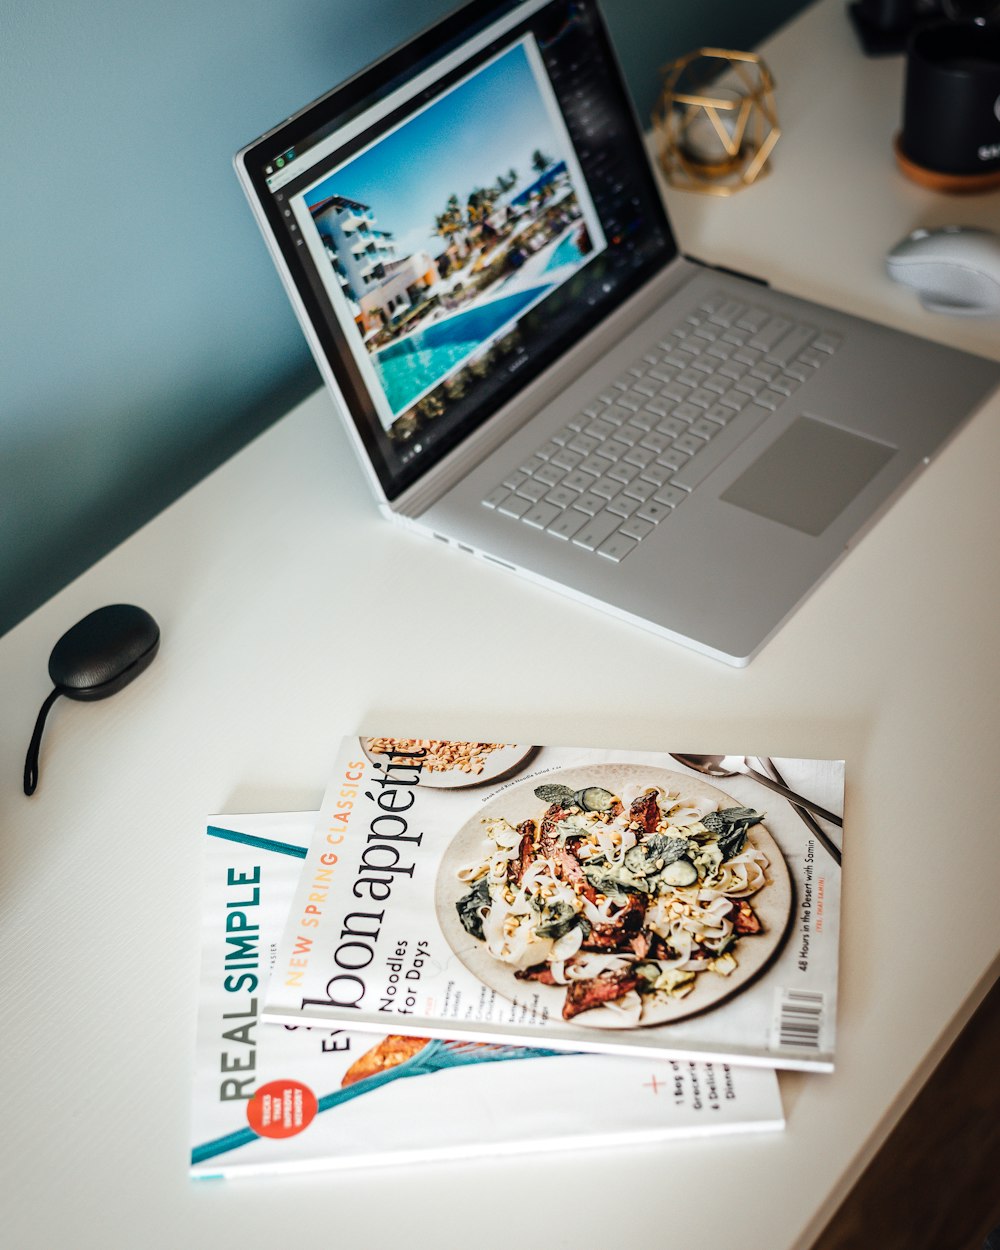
{"x": 95, "y": 658}
{"x": 104, "y": 652}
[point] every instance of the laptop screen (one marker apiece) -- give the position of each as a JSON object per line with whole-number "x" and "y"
{"x": 454, "y": 218}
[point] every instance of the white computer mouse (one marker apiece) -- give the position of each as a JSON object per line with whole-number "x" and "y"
{"x": 954, "y": 269}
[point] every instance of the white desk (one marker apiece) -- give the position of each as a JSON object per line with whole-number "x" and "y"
{"x": 292, "y": 614}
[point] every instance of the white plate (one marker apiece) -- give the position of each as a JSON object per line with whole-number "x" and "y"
{"x": 772, "y": 903}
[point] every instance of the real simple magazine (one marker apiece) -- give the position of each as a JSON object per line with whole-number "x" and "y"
{"x": 273, "y": 1098}
{"x": 585, "y": 899}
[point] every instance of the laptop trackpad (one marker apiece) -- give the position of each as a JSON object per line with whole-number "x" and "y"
{"x": 809, "y": 475}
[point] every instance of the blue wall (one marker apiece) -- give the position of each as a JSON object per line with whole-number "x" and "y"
{"x": 144, "y": 336}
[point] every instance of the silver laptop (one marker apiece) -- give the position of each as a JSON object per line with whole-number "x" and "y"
{"x": 473, "y": 240}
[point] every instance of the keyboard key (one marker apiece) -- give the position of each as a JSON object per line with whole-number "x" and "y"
{"x": 533, "y": 490}
{"x": 514, "y": 506}
{"x": 616, "y": 414}
{"x": 541, "y": 515}
{"x": 751, "y": 385}
{"x": 568, "y": 524}
{"x": 496, "y": 497}
{"x": 616, "y": 548}
{"x": 827, "y": 343}
{"x": 686, "y": 412}
{"x": 514, "y": 479}
{"x": 703, "y": 397}
{"x": 600, "y": 429}
{"x": 772, "y": 400}
{"x": 567, "y": 460}
{"x": 704, "y": 428}
{"x": 623, "y": 505}
{"x": 596, "y": 530}
{"x": 670, "y": 496}
{"x": 547, "y": 450}
{"x": 550, "y": 474}
{"x": 737, "y": 399}
{"x": 723, "y": 413}
{"x": 689, "y": 443}
{"x": 657, "y": 441}
{"x": 671, "y": 427}
{"x": 639, "y": 489}
{"x": 623, "y": 473}
{"x": 652, "y": 511}
{"x": 640, "y": 456}
{"x": 628, "y": 435}
{"x": 578, "y": 480}
{"x": 595, "y": 466}
{"x": 606, "y": 487}
{"x": 583, "y": 443}
{"x": 561, "y": 497}
{"x": 592, "y": 503}
{"x": 673, "y": 459}
{"x": 636, "y": 528}
{"x": 658, "y": 474}
{"x": 563, "y": 436}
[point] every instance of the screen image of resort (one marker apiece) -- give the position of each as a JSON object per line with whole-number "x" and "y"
{"x": 441, "y": 235}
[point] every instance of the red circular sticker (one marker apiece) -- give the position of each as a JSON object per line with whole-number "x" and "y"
{"x": 281, "y": 1109}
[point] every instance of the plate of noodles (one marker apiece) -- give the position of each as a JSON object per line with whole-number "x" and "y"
{"x": 622, "y": 895}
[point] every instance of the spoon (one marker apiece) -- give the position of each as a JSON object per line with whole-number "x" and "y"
{"x": 730, "y": 765}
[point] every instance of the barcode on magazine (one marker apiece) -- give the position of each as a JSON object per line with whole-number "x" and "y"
{"x": 798, "y": 1022}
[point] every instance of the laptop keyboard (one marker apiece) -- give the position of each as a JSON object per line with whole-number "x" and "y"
{"x": 622, "y": 466}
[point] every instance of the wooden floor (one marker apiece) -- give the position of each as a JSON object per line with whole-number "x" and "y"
{"x": 935, "y": 1185}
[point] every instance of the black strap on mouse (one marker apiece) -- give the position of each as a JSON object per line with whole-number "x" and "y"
{"x": 34, "y": 746}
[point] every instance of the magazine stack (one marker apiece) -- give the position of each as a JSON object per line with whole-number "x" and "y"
{"x": 469, "y": 933}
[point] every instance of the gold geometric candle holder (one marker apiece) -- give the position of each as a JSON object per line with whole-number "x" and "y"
{"x": 716, "y": 121}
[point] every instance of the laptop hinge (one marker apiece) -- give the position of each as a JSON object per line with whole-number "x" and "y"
{"x": 733, "y": 273}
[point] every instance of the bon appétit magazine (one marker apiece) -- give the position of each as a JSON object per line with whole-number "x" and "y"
{"x": 277, "y": 1098}
{"x": 582, "y": 899}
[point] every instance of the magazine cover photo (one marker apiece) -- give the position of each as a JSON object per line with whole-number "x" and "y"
{"x": 598, "y": 900}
